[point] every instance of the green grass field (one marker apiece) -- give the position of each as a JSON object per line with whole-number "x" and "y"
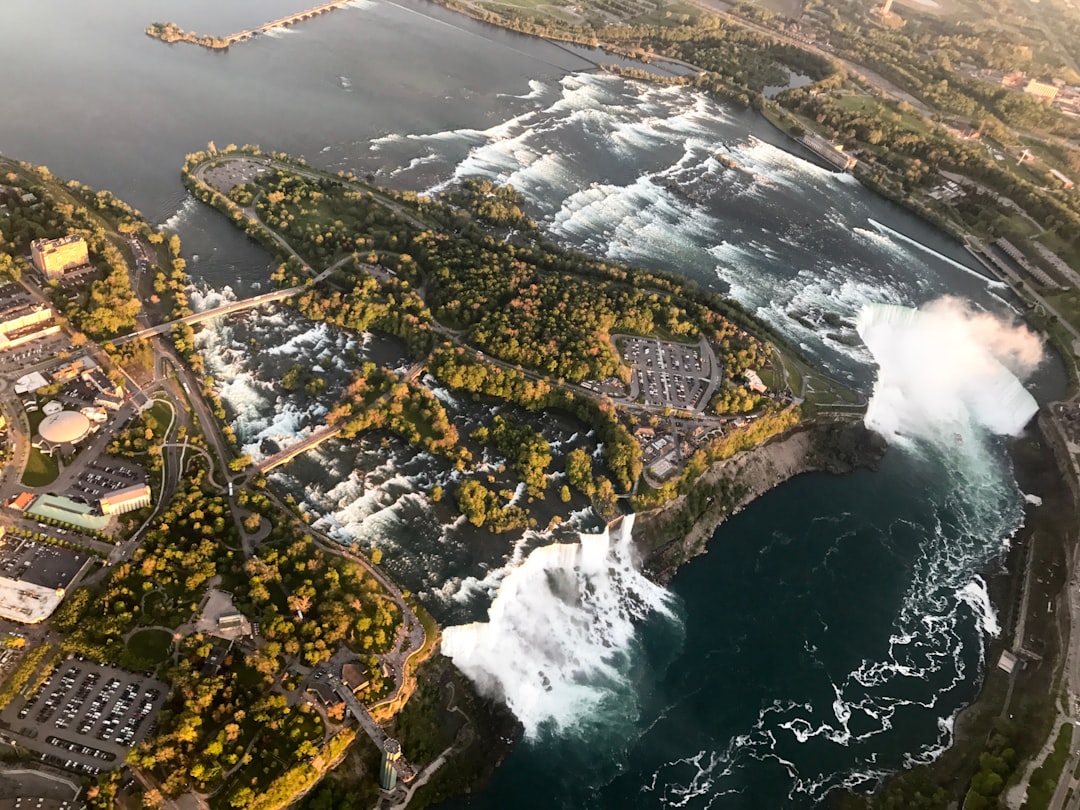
{"x": 150, "y": 646}
{"x": 41, "y": 469}
{"x": 868, "y": 105}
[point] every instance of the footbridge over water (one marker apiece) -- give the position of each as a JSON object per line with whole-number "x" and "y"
{"x": 324, "y": 433}
{"x": 293, "y": 450}
{"x": 224, "y": 309}
{"x": 283, "y": 22}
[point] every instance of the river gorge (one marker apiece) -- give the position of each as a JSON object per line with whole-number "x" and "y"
{"x": 836, "y": 625}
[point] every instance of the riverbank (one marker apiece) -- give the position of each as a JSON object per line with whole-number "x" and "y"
{"x": 837, "y": 446}
{"x": 1011, "y": 711}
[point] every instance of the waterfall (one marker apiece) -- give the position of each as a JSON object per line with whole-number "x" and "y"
{"x": 561, "y": 632}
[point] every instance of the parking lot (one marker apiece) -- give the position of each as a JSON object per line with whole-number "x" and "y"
{"x": 39, "y": 563}
{"x": 86, "y": 717}
{"x": 235, "y": 173}
{"x": 37, "y": 351}
{"x": 668, "y": 374}
{"x": 105, "y": 475}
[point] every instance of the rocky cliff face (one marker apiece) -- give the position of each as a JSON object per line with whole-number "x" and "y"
{"x": 669, "y": 536}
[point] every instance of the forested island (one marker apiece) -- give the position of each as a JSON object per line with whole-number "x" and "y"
{"x": 969, "y": 119}
{"x": 489, "y": 307}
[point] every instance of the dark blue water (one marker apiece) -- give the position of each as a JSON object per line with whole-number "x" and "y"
{"x": 836, "y": 625}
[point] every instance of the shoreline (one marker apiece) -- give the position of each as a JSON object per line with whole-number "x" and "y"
{"x": 844, "y": 446}
{"x": 838, "y": 446}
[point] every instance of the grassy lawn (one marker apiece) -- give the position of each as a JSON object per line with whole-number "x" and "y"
{"x": 163, "y": 414}
{"x": 151, "y": 647}
{"x": 41, "y": 469}
{"x": 1067, "y": 302}
{"x": 1045, "y": 779}
{"x": 867, "y": 105}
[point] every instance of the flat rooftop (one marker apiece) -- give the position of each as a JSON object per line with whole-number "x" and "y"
{"x": 26, "y": 602}
{"x": 67, "y": 511}
{"x": 38, "y": 563}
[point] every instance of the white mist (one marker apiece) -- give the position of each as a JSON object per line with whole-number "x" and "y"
{"x": 946, "y": 370}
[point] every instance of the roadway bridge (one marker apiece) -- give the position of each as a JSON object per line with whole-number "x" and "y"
{"x": 232, "y": 306}
{"x": 293, "y": 450}
{"x": 282, "y": 22}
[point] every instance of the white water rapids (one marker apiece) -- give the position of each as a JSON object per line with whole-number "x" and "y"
{"x": 556, "y": 643}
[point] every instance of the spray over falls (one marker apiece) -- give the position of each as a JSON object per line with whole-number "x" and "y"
{"x": 556, "y": 646}
{"x": 946, "y": 369}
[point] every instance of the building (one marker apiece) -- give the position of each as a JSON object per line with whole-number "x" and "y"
{"x": 69, "y": 371}
{"x": 27, "y": 603}
{"x": 23, "y": 315}
{"x": 1065, "y": 180}
{"x": 68, "y": 512}
{"x": 20, "y": 502}
{"x": 831, "y": 153}
{"x": 353, "y": 677}
{"x": 1041, "y": 90}
{"x": 54, "y": 257}
{"x": 110, "y": 395}
{"x": 125, "y": 500}
{"x": 61, "y": 428}
{"x": 324, "y": 693}
{"x": 754, "y": 383}
{"x": 391, "y": 753}
{"x": 1014, "y": 79}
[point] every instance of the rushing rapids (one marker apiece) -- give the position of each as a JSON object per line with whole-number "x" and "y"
{"x": 560, "y": 634}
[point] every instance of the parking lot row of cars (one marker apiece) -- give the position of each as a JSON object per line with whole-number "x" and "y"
{"x": 99, "y": 478}
{"x": 108, "y": 717}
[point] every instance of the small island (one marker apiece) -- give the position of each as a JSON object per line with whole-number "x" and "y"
{"x": 170, "y": 32}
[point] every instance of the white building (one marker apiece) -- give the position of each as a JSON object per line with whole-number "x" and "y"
{"x": 125, "y": 500}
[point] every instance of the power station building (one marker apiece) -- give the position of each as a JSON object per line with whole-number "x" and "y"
{"x": 54, "y": 257}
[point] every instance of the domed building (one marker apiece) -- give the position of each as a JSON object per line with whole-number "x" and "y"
{"x": 62, "y": 428}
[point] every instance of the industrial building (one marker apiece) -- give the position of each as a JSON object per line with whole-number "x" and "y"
{"x": 831, "y": 153}
{"x": 54, "y": 257}
{"x": 125, "y": 500}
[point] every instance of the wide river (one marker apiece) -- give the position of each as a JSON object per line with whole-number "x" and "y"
{"x": 836, "y": 626}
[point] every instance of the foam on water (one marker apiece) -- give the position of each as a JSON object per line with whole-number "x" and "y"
{"x": 560, "y": 633}
{"x": 187, "y": 207}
